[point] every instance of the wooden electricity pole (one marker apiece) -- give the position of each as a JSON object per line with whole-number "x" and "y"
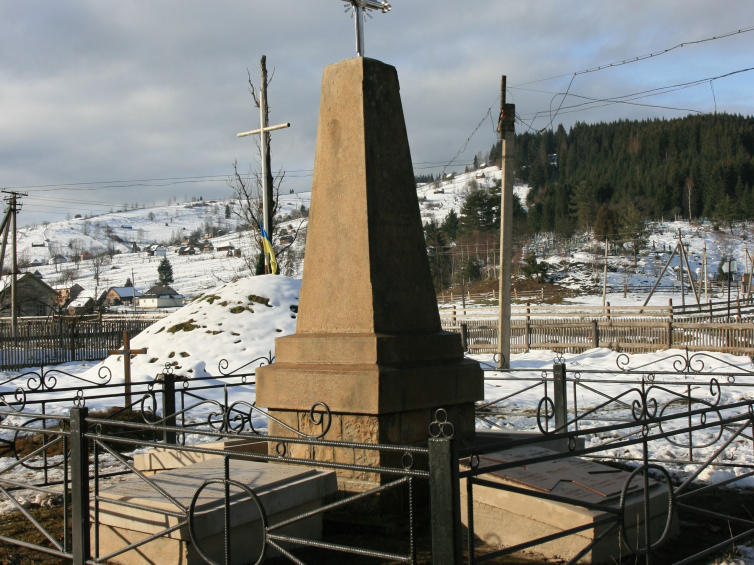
{"x": 9, "y": 223}
{"x": 506, "y": 128}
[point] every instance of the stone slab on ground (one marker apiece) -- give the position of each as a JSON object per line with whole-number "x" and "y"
{"x": 284, "y": 491}
{"x": 164, "y": 458}
{"x": 505, "y": 519}
{"x": 488, "y": 437}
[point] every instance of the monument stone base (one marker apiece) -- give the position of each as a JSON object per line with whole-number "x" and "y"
{"x": 285, "y": 491}
{"x": 505, "y": 519}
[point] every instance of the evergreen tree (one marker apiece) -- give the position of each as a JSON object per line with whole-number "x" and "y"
{"x": 476, "y": 162}
{"x": 438, "y": 260}
{"x": 259, "y": 267}
{"x": 165, "y": 272}
{"x": 128, "y": 283}
{"x": 634, "y": 229}
{"x": 227, "y": 211}
{"x": 532, "y": 269}
{"x": 582, "y": 205}
{"x": 606, "y": 224}
{"x": 450, "y": 225}
{"x": 478, "y": 213}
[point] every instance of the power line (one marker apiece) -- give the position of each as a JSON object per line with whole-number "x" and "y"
{"x": 573, "y": 75}
{"x": 628, "y": 98}
{"x": 639, "y": 57}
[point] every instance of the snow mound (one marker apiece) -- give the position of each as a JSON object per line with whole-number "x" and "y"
{"x": 237, "y": 322}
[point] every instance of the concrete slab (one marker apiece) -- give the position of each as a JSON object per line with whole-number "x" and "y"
{"x": 165, "y": 458}
{"x": 505, "y": 519}
{"x": 284, "y": 491}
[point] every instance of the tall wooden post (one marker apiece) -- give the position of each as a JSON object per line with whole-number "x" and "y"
{"x": 14, "y": 267}
{"x": 266, "y": 184}
{"x": 507, "y": 134}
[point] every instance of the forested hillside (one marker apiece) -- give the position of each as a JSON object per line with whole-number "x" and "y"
{"x": 698, "y": 166}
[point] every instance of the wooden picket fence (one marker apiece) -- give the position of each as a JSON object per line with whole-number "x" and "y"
{"x": 577, "y": 329}
{"x": 60, "y": 339}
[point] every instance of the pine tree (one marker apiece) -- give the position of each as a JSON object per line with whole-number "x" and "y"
{"x": 165, "y": 272}
{"x": 128, "y": 283}
{"x": 227, "y": 211}
{"x": 533, "y": 269}
{"x": 450, "y": 225}
{"x": 606, "y": 224}
{"x": 476, "y": 162}
{"x": 478, "y": 213}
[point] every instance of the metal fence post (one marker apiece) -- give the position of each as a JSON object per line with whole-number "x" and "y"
{"x": 561, "y": 397}
{"x": 168, "y": 405}
{"x": 79, "y": 486}
{"x": 445, "y": 502}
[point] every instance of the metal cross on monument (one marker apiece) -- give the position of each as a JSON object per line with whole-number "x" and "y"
{"x": 264, "y": 133}
{"x": 127, "y": 352}
{"x": 362, "y": 8}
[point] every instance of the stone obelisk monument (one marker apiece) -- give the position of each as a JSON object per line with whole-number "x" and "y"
{"x": 368, "y": 341}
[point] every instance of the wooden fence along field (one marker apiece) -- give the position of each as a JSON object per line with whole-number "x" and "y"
{"x": 60, "y": 339}
{"x": 632, "y": 329}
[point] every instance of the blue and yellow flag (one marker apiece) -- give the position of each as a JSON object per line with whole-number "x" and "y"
{"x": 268, "y": 248}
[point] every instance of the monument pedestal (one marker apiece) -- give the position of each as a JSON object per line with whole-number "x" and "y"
{"x": 368, "y": 340}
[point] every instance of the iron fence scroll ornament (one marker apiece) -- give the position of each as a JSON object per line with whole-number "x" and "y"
{"x": 682, "y": 363}
{"x": 227, "y": 483}
{"x": 441, "y": 427}
{"x": 671, "y": 503}
{"x": 223, "y": 365}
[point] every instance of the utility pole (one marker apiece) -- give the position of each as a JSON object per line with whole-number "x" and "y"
{"x": 604, "y": 280}
{"x": 9, "y": 222}
{"x": 506, "y": 128}
{"x": 266, "y": 159}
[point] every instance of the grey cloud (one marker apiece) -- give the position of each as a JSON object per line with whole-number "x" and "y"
{"x": 98, "y": 90}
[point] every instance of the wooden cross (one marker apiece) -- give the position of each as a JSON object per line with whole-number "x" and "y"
{"x": 127, "y": 352}
{"x": 361, "y": 7}
{"x": 264, "y": 132}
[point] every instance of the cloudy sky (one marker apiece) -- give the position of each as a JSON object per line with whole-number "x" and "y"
{"x": 94, "y": 91}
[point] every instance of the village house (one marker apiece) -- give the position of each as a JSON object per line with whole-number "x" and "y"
{"x": 66, "y": 295}
{"x": 156, "y": 250}
{"x": 57, "y": 260}
{"x": 85, "y": 256}
{"x": 118, "y": 296}
{"x": 186, "y": 250}
{"x": 82, "y": 304}
{"x": 227, "y": 248}
{"x": 35, "y": 297}
{"x": 159, "y": 296}
{"x": 207, "y": 247}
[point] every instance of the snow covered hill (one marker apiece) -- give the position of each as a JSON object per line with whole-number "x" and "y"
{"x": 237, "y": 322}
{"x": 121, "y": 230}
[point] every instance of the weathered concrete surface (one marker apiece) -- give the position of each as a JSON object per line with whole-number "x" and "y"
{"x": 505, "y": 519}
{"x": 284, "y": 491}
{"x": 366, "y": 261}
{"x": 368, "y": 341}
{"x": 164, "y": 459}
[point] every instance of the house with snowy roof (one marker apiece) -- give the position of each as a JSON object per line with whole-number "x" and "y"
{"x": 118, "y": 296}
{"x": 82, "y": 304}
{"x": 159, "y": 296}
